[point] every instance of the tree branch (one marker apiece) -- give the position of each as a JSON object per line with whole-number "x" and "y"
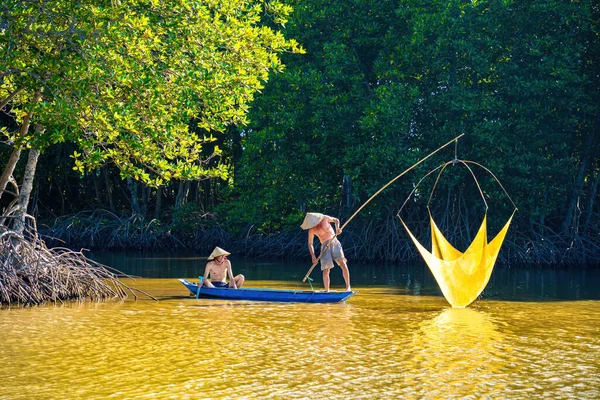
{"x": 10, "y": 97}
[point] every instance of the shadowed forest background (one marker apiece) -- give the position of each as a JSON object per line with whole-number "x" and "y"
{"x": 380, "y": 84}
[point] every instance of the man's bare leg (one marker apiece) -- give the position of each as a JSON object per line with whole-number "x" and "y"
{"x": 239, "y": 281}
{"x": 326, "y": 279}
{"x": 346, "y": 274}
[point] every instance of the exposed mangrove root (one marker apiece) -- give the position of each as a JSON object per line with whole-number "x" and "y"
{"x": 364, "y": 241}
{"x": 101, "y": 229}
{"x": 32, "y": 274}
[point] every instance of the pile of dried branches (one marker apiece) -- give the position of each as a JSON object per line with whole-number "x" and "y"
{"x": 31, "y": 274}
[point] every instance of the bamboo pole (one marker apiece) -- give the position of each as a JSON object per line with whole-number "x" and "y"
{"x": 373, "y": 196}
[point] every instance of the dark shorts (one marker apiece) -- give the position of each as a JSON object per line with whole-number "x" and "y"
{"x": 220, "y": 284}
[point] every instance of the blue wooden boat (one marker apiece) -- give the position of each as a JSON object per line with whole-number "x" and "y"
{"x": 277, "y": 295}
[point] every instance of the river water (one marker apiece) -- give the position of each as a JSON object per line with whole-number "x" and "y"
{"x": 532, "y": 335}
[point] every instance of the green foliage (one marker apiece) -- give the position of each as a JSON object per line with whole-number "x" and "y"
{"x": 164, "y": 92}
{"x": 295, "y": 147}
{"x": 384, "y": 83}
{"x": 123, "y": 80}
{"x": 508, "y": 75}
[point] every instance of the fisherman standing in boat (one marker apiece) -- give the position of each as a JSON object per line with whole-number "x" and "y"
{"x": 331, "y": 249}
{"x": 218, "y": 269}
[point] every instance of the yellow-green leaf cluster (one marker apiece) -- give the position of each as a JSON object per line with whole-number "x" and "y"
{"x": 127, "y": 80}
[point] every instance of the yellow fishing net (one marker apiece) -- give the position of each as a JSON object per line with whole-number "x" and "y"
{"x": 462, "y": 276}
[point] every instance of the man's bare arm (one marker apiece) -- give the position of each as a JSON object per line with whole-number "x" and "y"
{"x": 311, "y": 249}
{"x": 338, "y": 230}
{"x": 336, "y": 221}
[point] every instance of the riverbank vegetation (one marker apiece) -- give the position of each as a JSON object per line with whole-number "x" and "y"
{"x": 381, "y": 84}
{"x": 142, "y": 86}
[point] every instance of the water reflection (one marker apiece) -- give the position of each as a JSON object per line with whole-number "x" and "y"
{"x": 415, "y": 279}
{"x": 459, "y": 349}
{"x": 382, "y": 344}
{"x": 461, "y": 326}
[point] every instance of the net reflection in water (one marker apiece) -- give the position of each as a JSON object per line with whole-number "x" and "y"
{"x": 460, "y": 350}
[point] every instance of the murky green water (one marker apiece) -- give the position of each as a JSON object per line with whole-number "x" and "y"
{"x": 386, "y": 342}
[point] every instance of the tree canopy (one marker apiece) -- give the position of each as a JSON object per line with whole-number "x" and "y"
{"x": 126, "y": 80}
{"x": 160, "y": 89}
{"x": 384, "y": 83}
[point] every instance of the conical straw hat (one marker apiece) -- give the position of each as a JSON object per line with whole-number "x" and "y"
{"x": 218, "y": 252}
{"x": 311, "y": 220}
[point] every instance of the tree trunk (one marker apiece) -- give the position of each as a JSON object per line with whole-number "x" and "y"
{"x": 69, "y": 194}
{"x": 26, "y": 189}
{"x": 184, "y": 187}
{"x": 207, "y": 193}
{"x": 13, "y": 159}
{"x": 193, "y": 195}
{"x": 133, "y": 190}
{"x": 179, "y": 194}
{"x": 573, "y": 200}
{"x": 186, "y": 192}
{"x": 347, "y": 191}
{"x": 97, "y": 190}
{"x": 109, "y": 193}
{"x": 36, "y": 198}
{"x": 158, "y": 202}
{"x": 144, "y": 203}
{"x": 62, "y": 199}
{"x": 578, "y": 187}
{"x": 590, "y": 208}
{"x": 16, "y": 153}
{"x": 200, "y": 195}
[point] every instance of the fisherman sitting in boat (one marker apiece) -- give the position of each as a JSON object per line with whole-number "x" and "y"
{"x": 218, "y": 269}
{"x": 331, "y": 249}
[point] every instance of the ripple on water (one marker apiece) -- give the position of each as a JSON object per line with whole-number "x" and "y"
{"x": 380, "y": 344}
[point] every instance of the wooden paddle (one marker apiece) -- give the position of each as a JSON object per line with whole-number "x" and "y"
{"x": 201, "y": 279}
{"x": 373, "y": 196}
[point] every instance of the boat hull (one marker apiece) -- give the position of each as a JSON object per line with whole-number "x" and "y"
{"x": 274, "y": 295}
